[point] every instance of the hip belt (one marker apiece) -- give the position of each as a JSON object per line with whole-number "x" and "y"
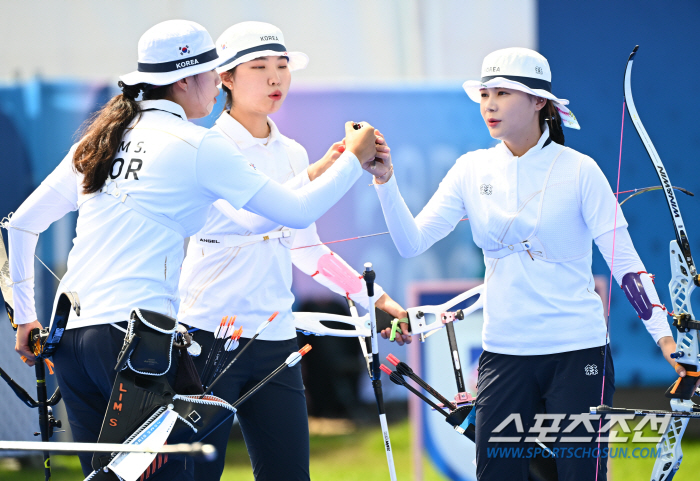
{"x": 234, "y": 240}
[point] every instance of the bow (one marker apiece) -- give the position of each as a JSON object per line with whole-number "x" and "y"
{"x": 422, "y": 320}
{"x": 683, "y": 281}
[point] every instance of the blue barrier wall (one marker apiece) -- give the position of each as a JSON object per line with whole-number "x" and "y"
{"x": 587, "y": 45}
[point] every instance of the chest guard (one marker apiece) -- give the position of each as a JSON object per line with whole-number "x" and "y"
{"x": 560, "y": 233}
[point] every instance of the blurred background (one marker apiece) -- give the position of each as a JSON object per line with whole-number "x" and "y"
{"x": 398, "y": 64}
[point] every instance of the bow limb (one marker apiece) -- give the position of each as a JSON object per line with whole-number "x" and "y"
{"x": 311, "y": 323}
{"x": 683, "y": 282}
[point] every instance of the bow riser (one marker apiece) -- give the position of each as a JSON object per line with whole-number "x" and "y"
{"x": 669, "y": 449}
{"x": 681, "y": 287}
{"x": 419, "y": 316}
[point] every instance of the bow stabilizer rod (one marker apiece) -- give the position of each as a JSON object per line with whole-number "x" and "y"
{"x": 375, "y": 369}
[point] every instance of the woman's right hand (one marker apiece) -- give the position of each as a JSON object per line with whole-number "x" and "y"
{"x": 668, "y": 347}
{"x": 22, "y": 342}
{"x": 361, "y": 142}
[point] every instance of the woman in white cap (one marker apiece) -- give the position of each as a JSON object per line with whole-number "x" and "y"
{"x": 534, "y": 207}
{"x": 142, "y": 178}
{"x": 249, "y": 271}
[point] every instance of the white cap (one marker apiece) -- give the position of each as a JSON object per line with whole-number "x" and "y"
{"x": 247, "y": 41}
{"x": 519, "y": 69}
{"x": 173, "y": 50}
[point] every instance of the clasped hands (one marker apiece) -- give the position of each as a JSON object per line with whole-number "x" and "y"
{"x": 367, "y": 144}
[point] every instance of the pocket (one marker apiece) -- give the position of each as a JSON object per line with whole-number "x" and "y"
{"x": 152, "y": 354}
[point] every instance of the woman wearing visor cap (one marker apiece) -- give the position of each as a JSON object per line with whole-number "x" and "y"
{"x": 249, "y": 272}
{"x": 142, "y": 178}
{"x": 534, "y": 207}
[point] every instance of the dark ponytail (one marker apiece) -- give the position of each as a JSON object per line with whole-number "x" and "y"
{"x": 550, "y": 114}
{"x": 104, "y": 130}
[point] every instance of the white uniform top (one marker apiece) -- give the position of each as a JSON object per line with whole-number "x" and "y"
{"x": 255, "y": 280}
{"x": 531, "y": 307}
{"x": 120, "y": 258}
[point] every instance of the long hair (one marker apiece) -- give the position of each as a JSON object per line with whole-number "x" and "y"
{"x": 103, "y": 131}
{"x": 550, "y": 114}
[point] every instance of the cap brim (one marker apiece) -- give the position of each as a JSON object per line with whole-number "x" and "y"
{"x": 297, "y": 60}
{"x": 472, "y": 88}
{"x": 167, "y": 78}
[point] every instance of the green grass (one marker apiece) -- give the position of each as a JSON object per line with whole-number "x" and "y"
{"x": 359, "y": 455}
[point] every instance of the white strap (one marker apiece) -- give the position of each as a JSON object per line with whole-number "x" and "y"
{"x": 233, "y": 240}
{"x": 6, "y": 223}
{"x": 111, "y": 188}
{"x": 508, "y": 250}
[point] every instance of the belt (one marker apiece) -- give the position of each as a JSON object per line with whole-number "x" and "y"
{"x": 233, "y": 240}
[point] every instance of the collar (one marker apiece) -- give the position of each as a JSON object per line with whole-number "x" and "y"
{"x": 165, "y": 106}
{"x": 240, "y": 135}
{"x": 543, "y": 142}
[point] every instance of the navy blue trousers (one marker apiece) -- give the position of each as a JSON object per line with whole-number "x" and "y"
{"x": 274, "y": 420}
{"x": 562, "y": 383}
{"x": 84, "y": 364}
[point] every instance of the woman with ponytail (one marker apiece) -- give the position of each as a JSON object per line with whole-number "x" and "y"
{"x": 142, "y": 179}
{"x": 534, "y": 207}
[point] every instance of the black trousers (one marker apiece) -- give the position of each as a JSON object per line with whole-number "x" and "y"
{"x": 84, "y": 364}
{"x": 563, "y": 383}
{"x": 274, "y": 420}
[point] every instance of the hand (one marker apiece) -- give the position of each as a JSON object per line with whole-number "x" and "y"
{"x": 668, "y": 347}
{"x": 389, "y": 305}
{"x": 22, "y": 343}
{"x": 324, "y": 163}
{"x": 361, "y": 142}
{"x": 382, "y": 169}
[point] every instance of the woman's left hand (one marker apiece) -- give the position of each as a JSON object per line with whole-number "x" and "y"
{"x": 392, "y": 307}
{"x": 668, "y": 347}
{"x": 321, "y": 165}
